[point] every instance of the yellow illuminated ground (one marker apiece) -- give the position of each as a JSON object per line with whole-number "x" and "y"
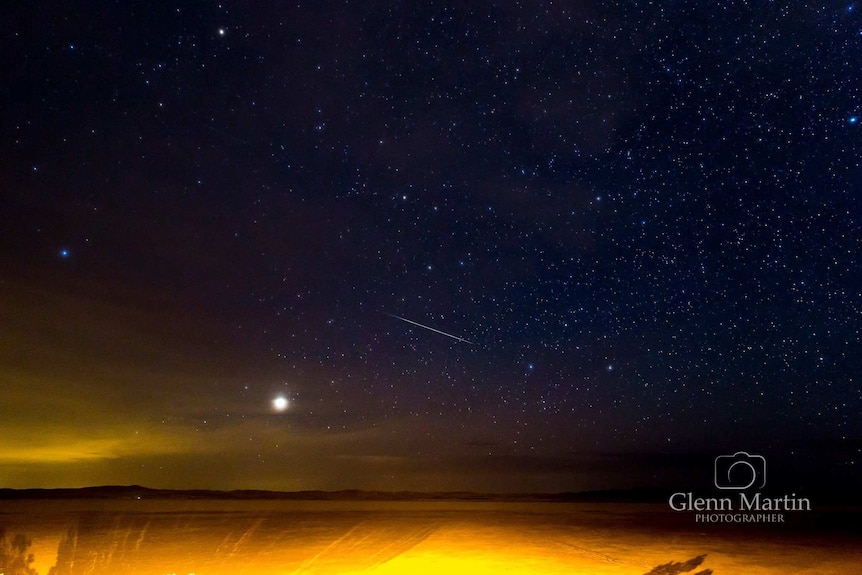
{"x": 448, "y": 538}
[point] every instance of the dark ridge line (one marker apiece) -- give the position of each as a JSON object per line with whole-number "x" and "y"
{"x": 820, "y": 498}
{"x": 140, "y": 492}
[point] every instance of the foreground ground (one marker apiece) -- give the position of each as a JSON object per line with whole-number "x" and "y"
{"x": 77, "y": 537}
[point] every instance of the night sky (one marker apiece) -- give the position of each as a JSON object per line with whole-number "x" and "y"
{"x": 627, "y": 233}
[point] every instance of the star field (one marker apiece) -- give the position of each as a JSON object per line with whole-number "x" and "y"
{"x": 643, "y": 218}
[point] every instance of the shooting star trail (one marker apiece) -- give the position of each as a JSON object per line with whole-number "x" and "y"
{"x": 455, "y": 337}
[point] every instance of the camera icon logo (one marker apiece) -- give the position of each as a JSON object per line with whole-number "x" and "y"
{"x": 740, "y": 471}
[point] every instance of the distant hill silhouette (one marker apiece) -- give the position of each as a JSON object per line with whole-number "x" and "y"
{"x": 139, "y": 492}
{"x": 836, "y": 499}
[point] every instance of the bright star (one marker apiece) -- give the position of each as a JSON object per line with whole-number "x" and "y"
{"x": 64, "y": 253}
{"x": 279, "y": 403}
{"x": 853, "y": 119}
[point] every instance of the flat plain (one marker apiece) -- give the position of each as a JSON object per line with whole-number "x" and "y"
{"x": 268, "y": 537}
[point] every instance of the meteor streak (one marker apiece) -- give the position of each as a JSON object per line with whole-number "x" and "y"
{"x": 455, "y": 337}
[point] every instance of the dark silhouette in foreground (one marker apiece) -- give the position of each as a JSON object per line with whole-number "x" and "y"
{"x": 674, "y": 568}
{"x": 14, "y": 559}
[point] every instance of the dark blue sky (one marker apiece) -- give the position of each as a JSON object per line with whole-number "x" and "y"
{"x": 644, "y": 216}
